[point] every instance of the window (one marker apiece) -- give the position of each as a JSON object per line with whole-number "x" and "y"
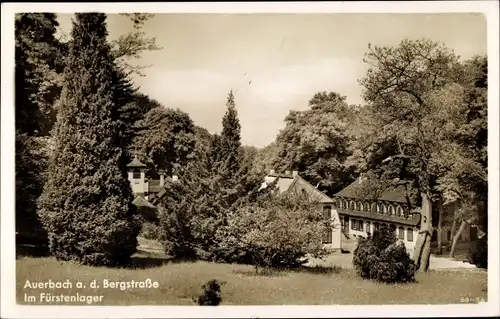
{"x": 409, "y": 234}
{"x": 399, "y": 211}
{"x": 368, "y": 228}
{"x": 327, "y": 238}
{"x": 391, "y": 210}
{"x": 358, "y": 206}
{"x": 360, "y": 228}
{"x": 353, "y": 224}
{"x": 352, "y": 205}
{"x": 377, "y": 226}
{"x": 327, "y": 212}
{"x": 401, "y": 233}
{"x": 136, "y": 174}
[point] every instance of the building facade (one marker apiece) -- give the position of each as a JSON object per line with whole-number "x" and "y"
{"x": 142, "y": 185}
{"x": 360, "y": 217}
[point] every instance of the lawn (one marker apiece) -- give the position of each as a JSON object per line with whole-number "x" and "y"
{"x": 180, "y": 282}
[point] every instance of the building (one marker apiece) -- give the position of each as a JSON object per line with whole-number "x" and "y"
{"x": 146, "y": 190}
{"x": 141, "y": 185}
{"x": 360, "y": 217}
{"x": 292, "y": 182}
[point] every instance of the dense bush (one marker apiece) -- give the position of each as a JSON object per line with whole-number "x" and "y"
{"x": 383, "y": 258}
{"x": 150, "y": 230}
{"x": 279, "y": 232}
{"x": 478, "y": 253}
{"x": 211, "y": 295}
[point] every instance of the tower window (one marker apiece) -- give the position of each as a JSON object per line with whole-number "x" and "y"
{"x": 136, "y": 174}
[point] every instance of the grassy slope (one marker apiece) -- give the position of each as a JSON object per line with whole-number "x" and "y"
{"x": 182, "y": 281}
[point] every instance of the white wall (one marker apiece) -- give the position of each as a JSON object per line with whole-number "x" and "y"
{"x": 336, "y": 230}
{"x": 138, "y": 185}
{"x": 408, "y": 244}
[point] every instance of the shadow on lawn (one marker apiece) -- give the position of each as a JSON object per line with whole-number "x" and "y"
{"x": 277, "y": 272}
{"x": 144, "y": 262}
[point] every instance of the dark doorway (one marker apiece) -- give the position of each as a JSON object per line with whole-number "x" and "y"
{"x": 473, "y": 233}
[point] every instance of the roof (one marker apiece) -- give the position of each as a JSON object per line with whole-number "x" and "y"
{"x": 140, "y": 201}
{"x": 287, "y": 182}
{"x": 136, "y": 163}
{"x": 391, "y": 194}
{"x": 313, "y": 192}
{"x": 412, "y": 220}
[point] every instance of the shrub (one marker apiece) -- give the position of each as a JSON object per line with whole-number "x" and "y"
{"x": 211, "y": 295}
{"x": 478, "y": 253}
{"x": 150, "y": 230}
{"x": 278, "y": 232}
{"x": 383, "y": 258}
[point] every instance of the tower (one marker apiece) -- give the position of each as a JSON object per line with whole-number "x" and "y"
{"x": 137, "y": 177}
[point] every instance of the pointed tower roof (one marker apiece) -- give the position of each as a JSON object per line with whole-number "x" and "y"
{"x": 136, "y": 163}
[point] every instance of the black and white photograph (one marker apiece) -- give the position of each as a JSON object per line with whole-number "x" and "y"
{"x": 250, "y": 154}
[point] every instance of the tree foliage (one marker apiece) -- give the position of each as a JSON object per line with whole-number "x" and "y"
{"x": 229, "y": 147}
{"x": 165, "y": 139}
{"x": 38, "y": 68}
{"x": 408, "y": 131}
{"x": 86, "y": 203}
{"x": 274, "y": 231}
{"x": 316, "y": 142}
{"x": 32, "y": 155}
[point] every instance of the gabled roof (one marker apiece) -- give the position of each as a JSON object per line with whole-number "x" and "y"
{"x": 140, "y": 201}
{"x": 287, "y": 183}
{"x": 300, "y": 183}
{"x": 391, "y": 194}
{"x": 136, "y": 163}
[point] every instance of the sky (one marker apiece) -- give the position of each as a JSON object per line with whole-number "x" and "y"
{"x": 274, "y": 63}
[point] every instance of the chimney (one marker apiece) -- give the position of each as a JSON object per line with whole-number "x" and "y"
{"x": 272, "y": 172}
{"x": 162, "y": 178}
{"x": 175, "y": 178}
{"x": 295, "y": 173}
{"x": 287, "y": 173}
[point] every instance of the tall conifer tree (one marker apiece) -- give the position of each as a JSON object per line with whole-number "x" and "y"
{"x": 230, "y": 140}
{"x": 86, "y": 204}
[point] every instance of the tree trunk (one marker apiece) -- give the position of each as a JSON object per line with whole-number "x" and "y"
{"x": 440, "y": 230}
{"x": 422, "y": 250}
{"x": 452, "y": 231}
{"x": 455, "y": 238}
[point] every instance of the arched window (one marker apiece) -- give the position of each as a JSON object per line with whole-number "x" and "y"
{"x": 399, "y": 211}
{"x": 359, "y": 206}
{"x": 136, "y": 174}
{"x": 377, "y": 226}
{"x": 368, "y": 228}
{"x": 345, "y": 204}
{"x": 352, "y": 205}
{"x": 391, "y": 209}
{"x": 385, "y": 208}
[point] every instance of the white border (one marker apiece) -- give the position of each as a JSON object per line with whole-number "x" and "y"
{"x": 11, "y": 310}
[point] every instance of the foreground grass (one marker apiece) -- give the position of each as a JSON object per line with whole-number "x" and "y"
{"x": 180, "y": 282}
